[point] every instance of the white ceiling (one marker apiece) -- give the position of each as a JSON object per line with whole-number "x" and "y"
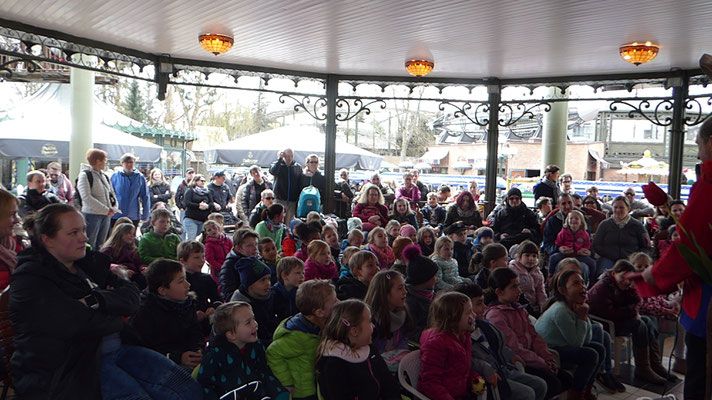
{"x": 470, "y": 39}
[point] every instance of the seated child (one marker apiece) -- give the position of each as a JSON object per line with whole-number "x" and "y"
{"x": 574, "y": 241}
{"x": 531, "y": 280}
{"x": 446, "y": 350}
{"x": 493, "y": 256}
{"x": 426, "y": 240}
{"x": 364, "y": 266}
{"x": 462, "y": 247}
{"x": 235, "y": 357}
{"x": 420, "y": 285}
{"x": 398, "y": 246}
{"x": 306, "y": 232}
{"x": 255, "y": 289}
{"x": 313, "y": 216}
{"x": 268, "y": 254}
{"x": 290, "y": 271}
{"x": 354, "y": 238}
{"x": 159, "y": 243}
{"x": 493, "y": 359}
{"x": 448, "y": 275}
{"x": 204, "y": 291}
{"x": 292, "y": 354}
{"x": 167, "y": 321}
{"x": 378, "y": 244}
{"x": 349, "y": 251}
{"x": 319, "y": 265}
{"x": 433, "y": 213}
{"x": 661, "y": 246}
{"x": 348, "y": 366}
{"x": 217, "y": 247}
{"x": 330, "y": 235}
{"x": 403, "y": 213}
{"x": 392, "y": 231}
{"x": 244, "y": 245}
{"x": 391, "y": 321}
{"x": 125, "y": 260}
{"x": 408, "y": 231}
{"x": 484, "y": 235}
{"x": 176, "y": 226}
{"x": 513, "y": 321}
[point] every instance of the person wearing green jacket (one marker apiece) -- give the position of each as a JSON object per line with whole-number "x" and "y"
{"x": 272, "y": 226}
{"x": 292, "y": 354}
{"x": 159, "y": 243}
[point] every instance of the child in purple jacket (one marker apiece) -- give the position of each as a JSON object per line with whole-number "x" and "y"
{"x": 573, "y": 241}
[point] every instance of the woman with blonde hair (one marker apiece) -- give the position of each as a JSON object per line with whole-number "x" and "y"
{"x": 158, "y": 187}
{"x": 370, "y": 208}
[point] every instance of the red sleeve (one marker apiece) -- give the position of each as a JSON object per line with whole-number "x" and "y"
{"x": 433, "y": 365}
{"x": 564, "y": 238}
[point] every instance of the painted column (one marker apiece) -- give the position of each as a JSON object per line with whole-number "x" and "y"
{"x": 22, "y": 165}
{"x": 332, "y": 91}
{"x": 495, "y": 94}
{"x": 680, "y": 86}
{"x": 553, "y": 142}
{"x": 82, "y": 110}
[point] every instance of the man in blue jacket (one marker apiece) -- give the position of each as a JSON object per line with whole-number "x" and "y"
{"x": 131, "y": 191}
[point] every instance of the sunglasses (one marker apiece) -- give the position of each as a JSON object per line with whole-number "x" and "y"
{"x": 515, "y": 198}
{"x": 630, "y": 194}
{"x": 201, "y": 180}
{"x": 269, "y": 198}
{"x": 589, "y": 202}
{"x": 312, "y": 162}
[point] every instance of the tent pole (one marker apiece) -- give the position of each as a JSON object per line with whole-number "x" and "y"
{"x": 82, "y": 110}
{"x": 332, "y": 90}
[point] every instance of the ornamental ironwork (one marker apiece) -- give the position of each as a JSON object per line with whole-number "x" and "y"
{"x": 512, "y": 115}
{"x": 660, "y": 115}
{"x": 469, "y": 111}
{"x": 346, "y": 111}
{"x": 305, "y": 104}
{"x": 6, "y": 72}
{"x": 692, "y": 103}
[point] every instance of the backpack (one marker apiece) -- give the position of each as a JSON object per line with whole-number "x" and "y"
{"x": 309, "y": 200}
{"x": 77, "y": 196}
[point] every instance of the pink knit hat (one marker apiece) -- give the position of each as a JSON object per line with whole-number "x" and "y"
{"x": 407, "y": 230}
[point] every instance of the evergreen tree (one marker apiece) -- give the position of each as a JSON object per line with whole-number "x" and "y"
{"x": 133, "y": 105}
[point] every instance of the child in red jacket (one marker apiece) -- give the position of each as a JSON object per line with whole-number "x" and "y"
{"x": 319, "y": 265}
{"x": 573, "y": 241}
{"x": 445, "y": 350}
{"x": 217, "y": 247}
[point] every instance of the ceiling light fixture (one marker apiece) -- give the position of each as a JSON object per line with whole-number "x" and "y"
{"x": 639, "y": 53}
{"x": 419, "y": 67}
{"x": 216, "y": 43}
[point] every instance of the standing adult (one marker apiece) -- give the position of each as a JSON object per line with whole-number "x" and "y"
{"x": 10, "y": 244}
{"x": 256, "y": 214}
{"x": 180, "y": 192}
{"x": 312, "y": 176}
{"x": 474, "y": 190}
{"x": 98, "y": 198}
{"x": 515, "y": 223}
{"x": 423, "y": 188}
{"x": 567, "y": 184}
{"x": 199, "y": 204}
{"x": 222, "y": 197}
{"x": 159, "y": 189}
{"x": 36, "y": 196}
{"x": 618, "y": 237}
{"x": 673, "y": 268}
{"x": 344, "y": 195}
{"x": 60, "y": 184}
{"x": 370, "y": 208}
{"x": 386, "y": 191}
{"x": 252, "y": 193}
{"x": 287, "y": 174}
{"x": 132, "y": 192}
{"x": 548, "y": 185}
{"x": 444, "y": 194}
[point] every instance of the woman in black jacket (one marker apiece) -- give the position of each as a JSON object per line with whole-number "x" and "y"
{"x": 465, "y": 210}
{"x": 199, "y": 204}
{"x": 159, "y": 189}
{"x": 66, "y": 310}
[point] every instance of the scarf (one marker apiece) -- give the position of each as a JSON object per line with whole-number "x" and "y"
{"x": 621, "y": 222}
{"x": 465, "y": 213}
{"x": 8, "y": 256}
{"x": 271, "y": 226}
{"x": 385, "y": 256}
{"x": 397, "y": 319}
{"x": 428, "y": 294}
{"x": 200, "y": 191}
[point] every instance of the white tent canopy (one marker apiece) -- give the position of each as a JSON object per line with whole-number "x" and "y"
{"x": 262, "y": 149}
{"x": 41, "y": 126}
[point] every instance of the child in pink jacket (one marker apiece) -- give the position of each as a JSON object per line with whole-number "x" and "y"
{"x": 217, "y": 247}
{"x": 573, "y": 241}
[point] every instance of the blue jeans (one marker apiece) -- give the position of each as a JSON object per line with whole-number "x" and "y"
{"x": 97, "y": 229}
{"x": 587, "y": 359}
{"x": 137, "y": 373}
{"x": 192, "y": 228}
{"x": 526, "y": 386}
{"x": 599, "y": 335}
{"x": 182, "y": 219}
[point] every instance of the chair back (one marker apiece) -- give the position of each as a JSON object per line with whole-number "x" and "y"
{"x": 408, "y": 373}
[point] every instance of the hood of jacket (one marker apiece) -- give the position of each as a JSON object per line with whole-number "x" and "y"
{"x": 299, "y": 323}
{"x": 346, "y": 353}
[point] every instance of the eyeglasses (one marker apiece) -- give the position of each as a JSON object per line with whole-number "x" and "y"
{"x": 201, "y": 180}
{"x": 269, "y": 198}
{"x": 630, "y": 194}
{"x": 513, "y": 198}
{"x": 589, "y": 202}
{"x": 312, "y": 162}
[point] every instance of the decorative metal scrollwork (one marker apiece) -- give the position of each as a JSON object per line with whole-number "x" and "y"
{"x": 6, "y": 71}
{"x": 464, "y": 111}
{"x": 510, "y": 113}
{"x": 644, "y": 106}
{"x": 698, "y": 116}
{"x": 358, "y": 107}
{"x": 305, "y": 104}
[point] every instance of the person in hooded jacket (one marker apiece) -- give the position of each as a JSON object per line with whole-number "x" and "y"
{"x": 548, "y": 186}
{"x": 131, "y": 191}
{"x": 256, "y": 290}
{"x": 515, "y": 222}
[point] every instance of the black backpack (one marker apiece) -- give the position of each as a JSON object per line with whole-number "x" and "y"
{"x": 77, "y": 196}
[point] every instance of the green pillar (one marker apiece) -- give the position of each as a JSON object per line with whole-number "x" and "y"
{"x": 22, "y": 165}
{"x": 553, "y": 143}
{"x": 82, "y": 109}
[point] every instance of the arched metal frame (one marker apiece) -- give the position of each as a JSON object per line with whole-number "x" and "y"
{"x": 22, "y": 44}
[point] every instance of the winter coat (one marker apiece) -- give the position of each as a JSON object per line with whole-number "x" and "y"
{"x": 317, "y": 180}
{"x": 180, "y": 194}
{"x": 412, "y": 195}
{"x": 343, "y": 209}
{"x": 512, "y": 220}
{"x": 559, "y": 326}
{"x": 423, "y": 190}
{"x": 221, "y": 195}
{"x": 264, "y": 313}
{"x": 345, "y": 374}
{"x": 285, "y": 302}
{"x": 99, "y": 197}
{"x": 128, "y": 257}
{"x": 418, "y": 306}
{"x": 452, "y": 216}
{"x": 132, "y": 194}
{"x": 256, "y": 214}
{"x": 287, "y": 184}
{"x": 576, "y": 240}
{"x": 445, "y": 365}
{"x": 160, "y": 191}
{"x": 314, "y": 270}
{"x": 252, "y": 194}
{"x": 552, "y": 227}
{"x": 364, "y": 212}
{"x": 547, "y": 188}
{"x": 608, "y": 301}
{"x": 167, "y": 326}
{"x": 462, "y": 253}
{"x": 615, "y": 243}
{"x": 226, "y": 367}
{"x": 57, "y": 339}
{"x": 349, "y": 287}
{"x": 531, "y": 282}
{"x": 152, "y": 247}
{"x": 176, "y": 226}
{"x": 63, "y": 189}
{"x": 277, "y": 236}
{"x": 393, "y": 337}
{"x": 448, "y": 274}
{"x": 434, "y": 216}
{"x": 216, "y": 251}
{"x": 203, "y": 290}
{"x": 408, "y": 218}
{"x": 520, "y": 334}
{"x": 192, "y": 200}
{"x": 229, "y": 277}
{"x": 292, "y": 354}
{"x": 490, "y": 354}
{"x": 32, "y": 201}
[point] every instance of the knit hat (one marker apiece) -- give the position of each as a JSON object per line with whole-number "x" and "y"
{"x": 354, "y": 223}
{"x": 458, "y": 226}
{"x": 514, "y": 192}
{"x": 420, "y": 269}
{"x": 251, "y": 270}
{"x": 485, "y": 233}
{"x": 407, "y": 230}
